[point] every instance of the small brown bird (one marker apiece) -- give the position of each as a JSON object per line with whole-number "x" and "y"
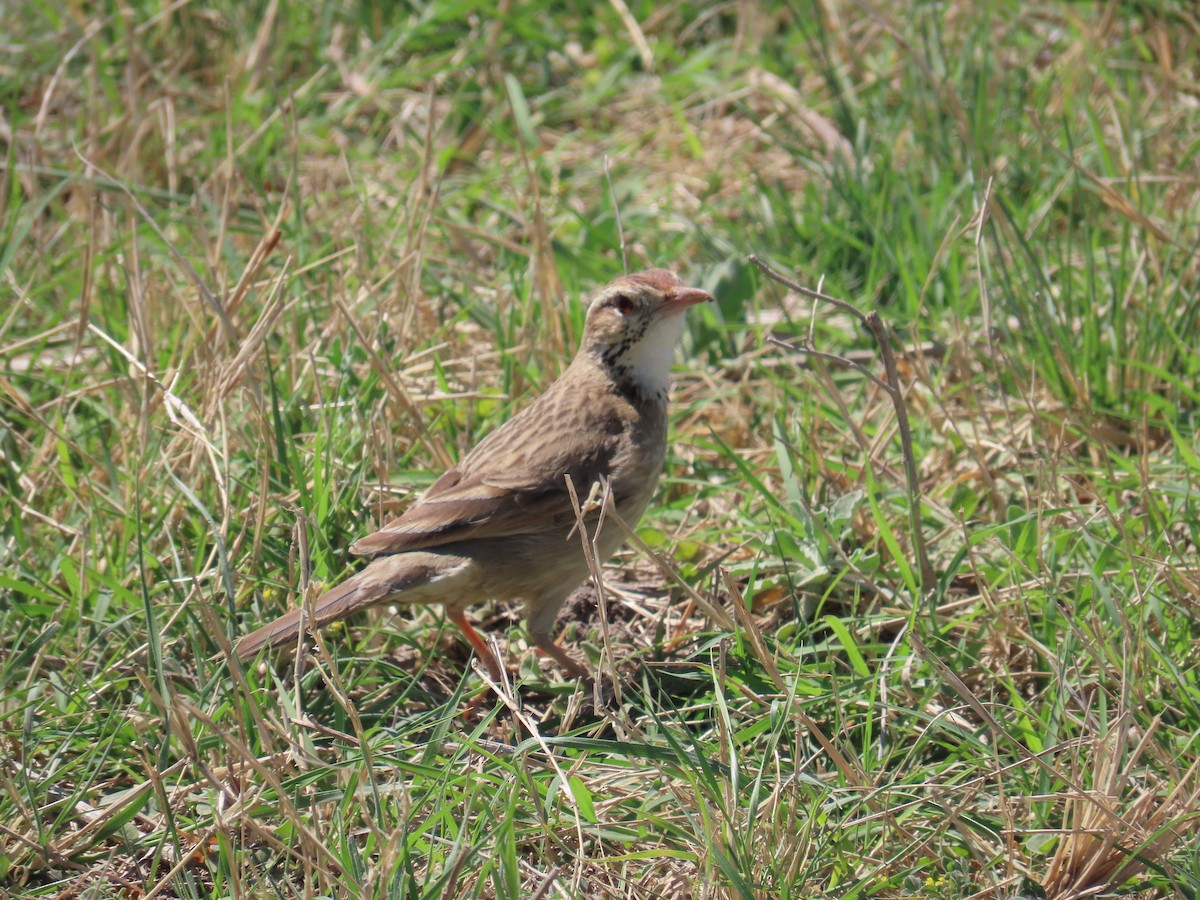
{"x": 501, "y": 524}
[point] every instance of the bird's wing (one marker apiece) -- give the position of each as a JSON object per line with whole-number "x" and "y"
{"x": 512, "y": 483}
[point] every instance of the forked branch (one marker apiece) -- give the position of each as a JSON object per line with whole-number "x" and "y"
{"x": 890, "y": 384}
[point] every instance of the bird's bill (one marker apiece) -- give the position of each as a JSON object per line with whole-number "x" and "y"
{"x": 683, "y": 297}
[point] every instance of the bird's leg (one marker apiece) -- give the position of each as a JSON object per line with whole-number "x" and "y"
{"x": 540, "y": 615}
{"x": 545, "y": 644}
{"x": 486, "y": 656}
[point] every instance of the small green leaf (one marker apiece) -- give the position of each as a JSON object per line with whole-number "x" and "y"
{"x": 583, "y": 798}
{"x": 520, "y": 110}
{"x": 849, "y": 644}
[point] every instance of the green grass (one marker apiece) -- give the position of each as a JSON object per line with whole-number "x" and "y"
{"x": 270, "y": 270}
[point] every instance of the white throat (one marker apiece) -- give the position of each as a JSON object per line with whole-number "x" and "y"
{"x": 649, "y": 360}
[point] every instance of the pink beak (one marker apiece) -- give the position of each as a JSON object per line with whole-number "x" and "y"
{"x": 683, "y": 297}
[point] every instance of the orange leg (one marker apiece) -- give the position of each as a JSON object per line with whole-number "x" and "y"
{"x": 486, "y": 656}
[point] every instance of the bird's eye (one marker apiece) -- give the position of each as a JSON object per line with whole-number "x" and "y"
{"x": 623, "y": 304}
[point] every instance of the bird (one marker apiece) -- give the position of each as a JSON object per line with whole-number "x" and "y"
{"x": 502, "y": 524}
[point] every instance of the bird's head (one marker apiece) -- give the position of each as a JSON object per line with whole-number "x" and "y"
{"x": 633, "y": 325}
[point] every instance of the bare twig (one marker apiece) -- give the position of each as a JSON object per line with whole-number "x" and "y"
{"x": 890, "y": 384}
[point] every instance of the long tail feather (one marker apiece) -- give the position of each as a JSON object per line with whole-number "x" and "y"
{"x": 336, "y": 603}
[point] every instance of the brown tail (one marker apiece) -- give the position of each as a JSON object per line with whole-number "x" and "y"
{"x": 336, "y": 603}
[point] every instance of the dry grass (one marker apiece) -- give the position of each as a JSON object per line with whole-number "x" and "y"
{"x": 272, "y": 269}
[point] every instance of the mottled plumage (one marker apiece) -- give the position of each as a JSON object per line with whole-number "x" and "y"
{"x": 500, "y": 525}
